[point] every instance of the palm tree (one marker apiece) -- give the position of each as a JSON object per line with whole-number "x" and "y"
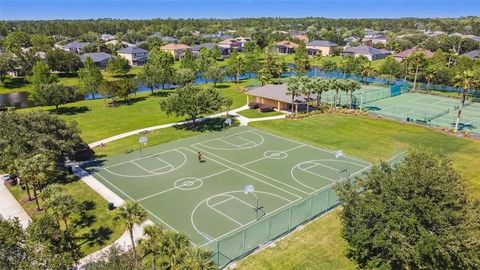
{"x": 336, "y": 85}
{"x": 62, "y": 205}
{"x": 466, "y": 80}
{"x": 367, "y": 71}
{"x": 319, "y": 85}
{"x": 151, "y": 244}
{"x": 352, "y": 86}
{"x": 199, "y": 259}
{"x": 306, "y": 88}
{"x": 38, "y": 171}
{"x": 418, "y": 60}
{"x": 129, "y": 214}
{"x": 294, "y": 89}
{"x": 173, "y": 249}
{"x": 430, "y": 77}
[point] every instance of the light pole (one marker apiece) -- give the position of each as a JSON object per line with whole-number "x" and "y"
{"x": 339, "y": 154}
{"x": 249, "y": 189}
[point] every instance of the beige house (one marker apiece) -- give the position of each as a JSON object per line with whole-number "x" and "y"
{"x": 135, "y": 56}
{"x": 321, "y": 47}
{"x": 177, "y": 50}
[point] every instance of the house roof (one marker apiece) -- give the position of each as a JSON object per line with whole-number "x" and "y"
{"x": 96, "y": 56}
{"x": 175, "y": 46}
{"x": 288, "y": 44}
{"x": 321, "y": 43}
{"x": 363, "y": 49}
{"x": 277, "y": 92}
{"x": 76, "y": 45}
{"x": 208, "y": 45}
{"x": 473, "y": 54}
{"x": 228, "y": 41}
{"x": 301, "y": 37}
{"x": 107, "y": 37}
{"x": 410, "y": 51}
{"x": 132, "y": 50}
{"x": 169, "y": 39}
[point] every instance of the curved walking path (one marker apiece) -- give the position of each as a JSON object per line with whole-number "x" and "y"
{"x": 9, "y": 207}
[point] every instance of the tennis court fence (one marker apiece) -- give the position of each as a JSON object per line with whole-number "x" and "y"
{"x": 247, "y": 239}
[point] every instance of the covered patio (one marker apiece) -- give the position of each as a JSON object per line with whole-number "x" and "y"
{"x": 276, "y": 97}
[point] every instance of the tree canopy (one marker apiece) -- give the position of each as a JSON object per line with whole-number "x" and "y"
{"x": 414, "y": 215}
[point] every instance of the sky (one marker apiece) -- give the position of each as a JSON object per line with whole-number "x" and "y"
{"x": 147, "y": 9}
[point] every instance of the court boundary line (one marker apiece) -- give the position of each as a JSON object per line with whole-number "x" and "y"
{"x": 173, "y": 168}
{"x": 238, "y": 147}
{"x": 312, "y": 146}
{"x": 289, "y": 203}
{"x": 253, "y": 171}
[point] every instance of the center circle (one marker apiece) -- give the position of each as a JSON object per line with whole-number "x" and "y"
{"x": 275, "y": 154}
{"x": 188, "y": 183}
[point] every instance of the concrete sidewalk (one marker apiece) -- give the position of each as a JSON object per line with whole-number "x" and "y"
{"x": 10, "y": 208}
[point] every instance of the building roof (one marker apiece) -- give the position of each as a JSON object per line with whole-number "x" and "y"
{"x": 229, "y": 41}
{"x": 321, "y": 43}
{"x": 243, "y": 39}
{"x": 301, "y": 37}
{"x": 473, "y": 54}
{"x": 277, "y": 92}
{"x": 367, "y": 50}
{"x": 409, "y": 52}
{"x": 169, "y": 39}
{"x": 107, "y": 37}
{"x": 175, "y": 46}
{"x": 208, "y": 45}
{"x": 132, "y": 50}
{"x": 288, "y": 44}
{"x": 96, "y": 56}
{"x": 76, "y": 45}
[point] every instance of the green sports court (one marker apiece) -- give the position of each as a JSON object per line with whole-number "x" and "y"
{"x": 428, "y": 109}
{"x": 292, "y": 182}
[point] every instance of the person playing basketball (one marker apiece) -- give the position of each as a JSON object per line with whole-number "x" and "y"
{"x": 200, "y": 157}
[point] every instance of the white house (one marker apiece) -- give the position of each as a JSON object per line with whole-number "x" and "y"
{"x": 135, "y": 56}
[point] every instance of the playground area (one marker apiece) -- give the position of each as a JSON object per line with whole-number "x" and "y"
{"x": 429, "y": 110}
{"x": 245, "y": 188}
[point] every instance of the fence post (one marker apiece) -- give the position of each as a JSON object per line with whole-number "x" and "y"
{"x": 270, "y": 229}
{"x": 290, "y": 220}
{"x": 218, "y": 253}
{"x": 311, "y": 207}
{"x": 244, "y": 236}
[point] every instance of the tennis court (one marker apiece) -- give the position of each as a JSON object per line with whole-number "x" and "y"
{"x": 429, "y": 110}
{"x": 206, "y": 199}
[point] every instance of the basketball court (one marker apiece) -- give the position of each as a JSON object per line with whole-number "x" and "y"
{"x": 207, "y": 200}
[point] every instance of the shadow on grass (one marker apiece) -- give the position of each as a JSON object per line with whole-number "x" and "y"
{"x": 162, "y": 93}
{"x": 96, "y": 236}
{"x": 15, "y": 83}
{"x": 210, "y": 124}
{"x": 129, "y": 101}
{"x": 70, "y": 110}
{"x": 126, "y": 76}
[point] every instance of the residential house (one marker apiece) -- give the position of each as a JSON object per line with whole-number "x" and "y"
{"x": 107, "y": 37}
{"x": 177, "y": 50}
{"x": 320, "y": 47}
{"x": 75, "y": 46}
{"x": 475, "y": 54}
{"x": 243, "y": 40}
{"x": 196, "y": 49}
{"x": 136, "y": 56}
{"x": 350, "y": 41}
{"x": 367, "y": 51}
{"x": 230, "y": 44}
{"x": 404, "y": 54}
{"x": 99, "y": 58}
{"x": 302, "y": 37}
{"x": 375, "y": 39}
{"x": 286, "y": 47}
{"x": 165, "y": 39}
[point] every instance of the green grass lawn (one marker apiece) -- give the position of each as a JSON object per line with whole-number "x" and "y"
{"x": 251, "y": 113}
{"x": 160, "y": 136}
{"x": 318, "y": 245}
{"x": 376, "y": 139}
{"x": 11, "y": 85}
{"x": 96, "y": 121}
{"x": 95, "y": 225}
